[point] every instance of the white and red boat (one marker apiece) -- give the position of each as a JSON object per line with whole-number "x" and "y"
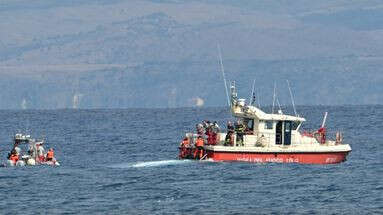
{"x": 33, "y": 153}
{"x": 268, "y": 138}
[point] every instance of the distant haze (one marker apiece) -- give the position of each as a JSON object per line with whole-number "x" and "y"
{"x": 120, "y": 54}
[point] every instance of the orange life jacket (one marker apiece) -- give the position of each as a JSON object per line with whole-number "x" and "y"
{"x": 14, "y": 158}
{"x": 199, "y": 142}
{"x": 50, "y": 154}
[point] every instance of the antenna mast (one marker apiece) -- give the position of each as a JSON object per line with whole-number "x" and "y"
{"x": 292, "y": 98}
{"x": 324, "y": 120}
{"x": 279, "y": 106}
{"x": 272, "y": 110}
{"x": 252, "y": 96}
{"x": 223, "y": 74}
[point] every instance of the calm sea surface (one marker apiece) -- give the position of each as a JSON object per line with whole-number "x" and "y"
{"x": 125, "y": 162}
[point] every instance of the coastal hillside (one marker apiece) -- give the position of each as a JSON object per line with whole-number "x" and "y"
{"x": 119, "y": 54}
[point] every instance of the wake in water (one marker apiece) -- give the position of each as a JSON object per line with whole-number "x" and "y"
{"x": 150, "y": 164}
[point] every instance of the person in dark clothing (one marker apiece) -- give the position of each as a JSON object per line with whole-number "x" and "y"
{"x": 229, "y": 141}
{"x": 240, "y": 130}
{"x": 230, "y": 127}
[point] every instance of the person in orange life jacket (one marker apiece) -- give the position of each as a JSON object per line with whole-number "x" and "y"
{"x": 184, "y": 148}
{"x": 14, "y": 156}
{"x": 50, "y": 155}
{"x": 199, "y": 147}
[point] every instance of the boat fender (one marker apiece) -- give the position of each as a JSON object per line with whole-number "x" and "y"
{"x": 20, "y": 163}
{"x": 31, "y": 162}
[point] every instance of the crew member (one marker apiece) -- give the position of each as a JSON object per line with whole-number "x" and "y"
{"x": 185, "y": 142}
{"x": 200, "y": 129}
{"x": 322, "y": 135}
{"x": 14, "y": 156}
{"x": 17, "y": 148}
{"x": 230, "y": 127}
{"x": 211, "y": 136}
{"x": 40, "y": 151}
{"x": 199, "y": 147}
{"x": 184, "y": 148}
{"x": 240, "y": 130}
{"x": 50, "y": 155}
{"x": 215, "y": 127}
{"x": 206, "y": 125}
{"x": 229, "y": 140}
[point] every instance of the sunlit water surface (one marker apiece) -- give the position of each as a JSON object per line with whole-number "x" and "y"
{"x": 125, "y": 161}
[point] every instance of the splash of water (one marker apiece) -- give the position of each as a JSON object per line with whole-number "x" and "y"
{"x": 150, "y": 164}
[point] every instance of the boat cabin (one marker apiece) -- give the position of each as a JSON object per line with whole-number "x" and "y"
{"x": 270, "y": 129}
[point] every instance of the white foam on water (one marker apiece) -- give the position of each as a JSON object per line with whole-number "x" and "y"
{"x": 159, "y": 163}
{"x": 150, "y": 164}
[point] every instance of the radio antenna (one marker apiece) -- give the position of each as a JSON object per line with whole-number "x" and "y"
{"x": 279, "y": 106}
{"x": 292, "y": 98}
{"x": 252, "y": 96}
{"x": 223, "y": 74}
{"x": 272, "y": 110}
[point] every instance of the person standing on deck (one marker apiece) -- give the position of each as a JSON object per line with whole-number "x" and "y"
{"x": 211, "y": 136}
{"x": 185, "y": 148}
{"x": 50, "y": 155}
{"x": 215, "y": 129}
{"x": 206, "y": 124}
{"x": 200, "y": 130}
{"x": 17, "y": 148}
{"x": 230, "y": 131}
{"x": 199, "y": 147}
{"x": 230, "y": 127}
{"x": 240, "y": 130}
{"x": 40, "y": 151}
{"x": 14, "y": 157}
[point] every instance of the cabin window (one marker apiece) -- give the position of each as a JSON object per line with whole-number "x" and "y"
{"x": 249, "y": 124}
{"x": 268, "y": 124}
{"x": 287, "y": 126}
{"x": 294, "y": 125}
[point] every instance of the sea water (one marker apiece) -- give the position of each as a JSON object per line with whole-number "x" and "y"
{"x": 125, "y": 162}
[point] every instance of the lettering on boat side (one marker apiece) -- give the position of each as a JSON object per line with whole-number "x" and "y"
{"x": 274, "y": 160}
{"x": 292, "y": 160}
{"x": 271, "y": 160}
{"x": 330, "y": 160}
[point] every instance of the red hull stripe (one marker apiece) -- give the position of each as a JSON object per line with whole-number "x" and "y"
{"x": 306, "y": 158}
{"x": 247, "y": 152}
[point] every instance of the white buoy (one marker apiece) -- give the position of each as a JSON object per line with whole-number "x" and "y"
{"x": 20, "y": 163}
{"x": 31, "y": 162}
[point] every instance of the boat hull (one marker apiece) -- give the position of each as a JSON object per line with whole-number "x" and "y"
{"x": 279, "y": 157}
